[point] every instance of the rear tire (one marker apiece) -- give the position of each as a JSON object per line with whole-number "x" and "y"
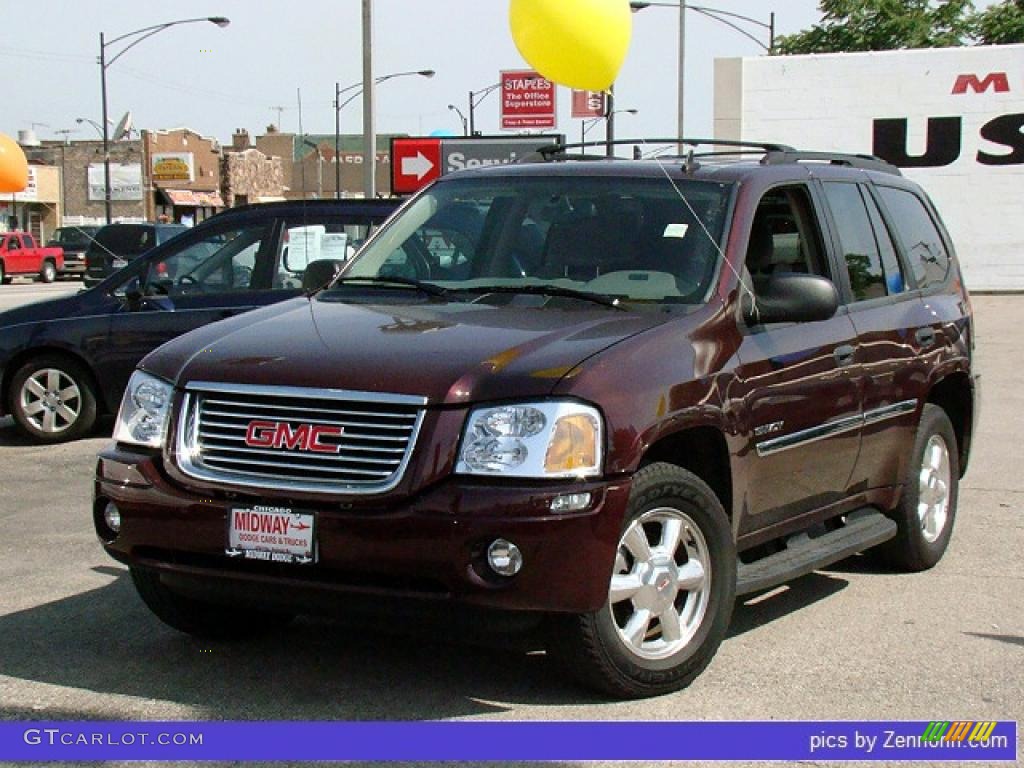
{"x": 53, "y": 399}
{"x": 671, "y": 593}
{"x": 200, "y": 619}
{"x": 927, "y": 510}
{"x": 48, "y": 273}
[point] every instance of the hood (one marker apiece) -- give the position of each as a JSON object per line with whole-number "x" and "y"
{"x": 447, "y": 352}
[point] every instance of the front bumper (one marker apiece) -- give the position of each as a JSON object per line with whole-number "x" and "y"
{"x": 431, "y": 545}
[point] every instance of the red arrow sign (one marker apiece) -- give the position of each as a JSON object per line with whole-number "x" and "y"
{"x": 414, "y": 164}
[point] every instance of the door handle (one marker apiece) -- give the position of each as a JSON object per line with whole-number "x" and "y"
{"x": 844, "y": 354}
{"x": 925, "y": 336}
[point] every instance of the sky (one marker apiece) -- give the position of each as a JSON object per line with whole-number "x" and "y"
{"x": 216, "y": 80}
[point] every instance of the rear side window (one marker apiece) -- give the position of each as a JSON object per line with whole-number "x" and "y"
{"x": 860, "y": 251}
{"x": 926, "y": 254}
{"x": 125, "y": 239}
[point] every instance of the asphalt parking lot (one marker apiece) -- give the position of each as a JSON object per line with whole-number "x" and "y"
{"x": 852, "y": 642}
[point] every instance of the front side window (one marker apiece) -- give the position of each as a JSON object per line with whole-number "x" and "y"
{"x": 221, "y": 262}
{"x": 641, "y": 240}
{"x": 785, "y": 236}
{"x": 926, "y": 254}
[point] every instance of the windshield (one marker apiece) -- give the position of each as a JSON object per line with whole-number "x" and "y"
{"x": 642, "y": 240}
{"x": 73, "y": 235}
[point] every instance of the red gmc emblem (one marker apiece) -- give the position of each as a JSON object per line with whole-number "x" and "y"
{"x": 304, "y": 437}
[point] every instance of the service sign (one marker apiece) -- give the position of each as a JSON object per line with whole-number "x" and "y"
{"x": 417, "y": 161}
{"x": 527, "y": 101}
{"x": 271, "y": 534}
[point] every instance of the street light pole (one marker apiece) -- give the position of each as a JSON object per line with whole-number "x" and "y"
{"x": 339, "y": 105}
{"x": 103, "y": 122}
{"x": 462, "y": 117}
{"x": 723, "y": 17}
{"x": 139, "y": 35}
{"x": 369, "y": 116}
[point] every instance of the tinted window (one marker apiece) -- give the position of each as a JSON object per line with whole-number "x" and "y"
{"x": 857, "y": 239}
{"x": 124, "y": 239}
{"x": 73, "y": 235}
{"x": 895, "y": 281}
{"x": 926, "y": 255}
{"x": 634, "y": 239}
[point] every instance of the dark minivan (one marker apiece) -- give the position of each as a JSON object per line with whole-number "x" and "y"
{"x": 64, "y": 361}
{"x": 608, "y": 395}
{"x": 114, "y": 245}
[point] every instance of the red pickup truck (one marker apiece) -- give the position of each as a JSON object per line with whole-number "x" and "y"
{"x": 21, "y": 255}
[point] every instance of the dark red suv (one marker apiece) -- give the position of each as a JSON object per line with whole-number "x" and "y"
{"x": 614, "y": 394}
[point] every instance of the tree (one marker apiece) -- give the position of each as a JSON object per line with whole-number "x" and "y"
{"x": 1000, "y": 24}
{"x": 878, "y": 25}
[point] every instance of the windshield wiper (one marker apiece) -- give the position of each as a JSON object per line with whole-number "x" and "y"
{"x": 544, "y": 290}
{"x": 428, "y": 288}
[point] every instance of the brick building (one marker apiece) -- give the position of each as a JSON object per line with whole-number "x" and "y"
{"x": 248, "y": 175}
{"x": 80, "y": 165}
{"x": 183, "y": 169}
{"x": 37, "y": 208}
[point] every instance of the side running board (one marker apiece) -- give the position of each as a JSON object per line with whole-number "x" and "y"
{"x": 863, "y": 530}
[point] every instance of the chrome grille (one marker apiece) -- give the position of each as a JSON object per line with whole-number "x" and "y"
{"x": 377, "y": 434}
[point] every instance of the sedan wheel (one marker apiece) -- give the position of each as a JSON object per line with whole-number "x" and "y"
{"x": 53, "y": 399}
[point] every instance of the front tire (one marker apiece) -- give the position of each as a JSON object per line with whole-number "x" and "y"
{"x": 53, "y": 399}
{"x": 200, "y": 619}
{"x": 48, "y": 273}
{"x": 670, "y": 597}
{"x": 928, "y": 508}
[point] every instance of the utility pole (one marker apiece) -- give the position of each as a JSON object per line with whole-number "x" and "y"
{"x": 369, "y": 122}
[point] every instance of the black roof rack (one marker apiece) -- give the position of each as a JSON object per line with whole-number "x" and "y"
{"x": 864, "y": 162}
{"x": 551, "y": 152}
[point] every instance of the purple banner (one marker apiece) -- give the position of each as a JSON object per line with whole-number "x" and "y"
{"x": 530, "y": 741}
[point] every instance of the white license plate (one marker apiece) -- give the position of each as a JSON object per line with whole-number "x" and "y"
{"x": 273, "y": 534}
{"x": 118, "y": 263}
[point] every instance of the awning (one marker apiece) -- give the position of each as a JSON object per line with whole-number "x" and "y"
{"x": 188, "y": 197}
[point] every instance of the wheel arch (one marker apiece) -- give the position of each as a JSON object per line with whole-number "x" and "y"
{"x": 18, "y": 360}
{"x": 953, "y": 393}
{"x": 701, "y": 449}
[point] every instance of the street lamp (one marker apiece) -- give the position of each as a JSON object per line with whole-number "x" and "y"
{"x": 483, "y": 93}
{"x": 586, "y": 125}
{"x": 339, "y": 105}
{"x": 93, "y": 123}
{"x": 139, "y": 35}
{"x": 723, "y": 17}
{"x": 462, "y": 117}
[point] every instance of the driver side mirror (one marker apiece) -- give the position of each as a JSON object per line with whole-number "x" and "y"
{"x": 319, "y": 273}
{"x": 790, "y": 298}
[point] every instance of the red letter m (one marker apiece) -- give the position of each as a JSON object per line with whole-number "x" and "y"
{"x": 997, "y": 80}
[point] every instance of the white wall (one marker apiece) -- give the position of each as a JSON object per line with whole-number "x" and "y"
{"x": 830, "y": 102}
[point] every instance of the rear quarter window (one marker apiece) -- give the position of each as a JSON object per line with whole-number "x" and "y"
{"x": 926, "y": 254}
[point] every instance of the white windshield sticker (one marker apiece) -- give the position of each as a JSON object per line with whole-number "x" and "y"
{"x": 676, "y": 230}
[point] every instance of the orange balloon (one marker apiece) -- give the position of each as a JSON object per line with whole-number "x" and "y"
{"x": 13, "y": 166}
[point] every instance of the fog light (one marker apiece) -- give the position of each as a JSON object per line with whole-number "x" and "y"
{"x": 504, "y": 557}
{"x": 570, "y": 502}
{"x": 112, "y": 517}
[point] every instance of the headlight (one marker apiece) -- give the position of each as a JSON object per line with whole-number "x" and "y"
{"x": 145, "y": 410}
{"x": 547, "y": 439}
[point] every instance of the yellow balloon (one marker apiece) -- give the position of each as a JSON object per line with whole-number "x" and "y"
{"x": 577, "y": 43}
{"x": 13, "y": 166}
